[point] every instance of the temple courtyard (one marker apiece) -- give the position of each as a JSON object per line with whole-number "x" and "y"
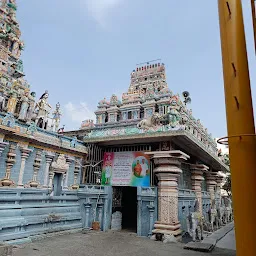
{"x": 113, "y": 243}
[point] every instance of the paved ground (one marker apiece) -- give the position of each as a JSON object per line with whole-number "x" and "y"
{"x": 110, "y": 243}
{"x": 228, "y": 241}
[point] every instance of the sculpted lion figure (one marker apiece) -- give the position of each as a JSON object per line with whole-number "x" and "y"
{"x": 149, "y": 122}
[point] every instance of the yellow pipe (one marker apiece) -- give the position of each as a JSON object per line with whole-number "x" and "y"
{"x": 239, "y": 112}
{"x": 254, "y": 21}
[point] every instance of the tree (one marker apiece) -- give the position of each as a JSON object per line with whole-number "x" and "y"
{"x": 227, "y": 185}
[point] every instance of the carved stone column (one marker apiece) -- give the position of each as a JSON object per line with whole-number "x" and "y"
{"x": 76, "y": 172}
{"x": 48, "y": 159}
{"x": 167, "y": 171}
{"x": 10, "y": 161}
{"x": 24, "y": 155}
{"x": 51, "y": 176}
{"x": 197, "y": 171}
{"x": 69, "y": 161}
{"x": 219, "y": 181}
{"x": 211, "y": 183}
{"x": 37, "y": 164}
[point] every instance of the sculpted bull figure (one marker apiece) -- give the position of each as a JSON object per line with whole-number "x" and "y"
{"x": 149, "y": 122}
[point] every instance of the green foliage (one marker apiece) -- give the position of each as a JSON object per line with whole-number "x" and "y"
{"x": 227, "y": 185}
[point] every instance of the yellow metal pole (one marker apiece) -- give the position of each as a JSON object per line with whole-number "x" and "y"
{"x": 254, "y": 21}
{"x": 240, "y": 121}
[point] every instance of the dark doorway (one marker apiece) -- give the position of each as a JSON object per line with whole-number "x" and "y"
{"x": 129, "y": 209}
{"x": 57, "y": 180}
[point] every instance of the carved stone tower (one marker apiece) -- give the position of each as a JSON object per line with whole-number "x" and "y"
{"x": 11, "y": 66}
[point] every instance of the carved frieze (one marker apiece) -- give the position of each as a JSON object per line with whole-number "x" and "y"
{"x": 60, "y": 165}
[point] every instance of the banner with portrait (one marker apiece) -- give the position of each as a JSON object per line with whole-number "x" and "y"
{"x": 126, "y": 169}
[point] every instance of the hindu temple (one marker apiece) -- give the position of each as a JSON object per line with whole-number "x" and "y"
{"x": 146, "y": 164}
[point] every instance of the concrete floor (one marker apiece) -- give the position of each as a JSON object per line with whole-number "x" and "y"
{"x": 228, "y": 241}
{"x": 109, "y": 243}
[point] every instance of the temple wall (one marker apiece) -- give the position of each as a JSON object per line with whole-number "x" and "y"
{"x": 186, "y": 200}
{"x": 25, "y": 213}
{"x": 2, "y": 161}
{"x": 184, "y": 181}
{"x": 29, "y": 212}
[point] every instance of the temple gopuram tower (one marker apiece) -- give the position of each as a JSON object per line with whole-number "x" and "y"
{"x": 148, "y": 93}
{"x": 11, "y": 66}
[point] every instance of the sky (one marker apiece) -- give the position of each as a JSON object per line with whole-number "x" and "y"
{"x": 84, "y": 50}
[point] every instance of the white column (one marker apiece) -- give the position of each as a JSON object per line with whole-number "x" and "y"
{"x": 10, "y": 161}
{"x": 76, "y": 172}
{"x": 37, "y": 164}
{"x": 69, "y": 161}
{"x": 24, "y": 155}
{"x": 51, "y": 176}
{"x": 48, "y": 159}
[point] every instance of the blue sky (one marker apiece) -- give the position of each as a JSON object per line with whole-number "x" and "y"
{"x": 84, "y": 50}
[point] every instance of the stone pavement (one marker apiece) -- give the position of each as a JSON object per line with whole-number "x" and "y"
{"x": 223, "y": 236}
{"x": 107, "y": 243}
{"x": 228, "y": 241}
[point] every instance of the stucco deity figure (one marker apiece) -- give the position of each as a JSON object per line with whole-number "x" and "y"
{"x": 16, "y": 46}
{"x": 31, "y": 107}
{"x": 173, "y": 114}
{"x": 12, "y": 9}
{"x": 43, "y": 106}
{"x": 56, "y": 117}
{"x": 43, "y": 110}
{"x": 12, "y": 102}
{"x": 195, "y": 222}
{"x": 3, "y": 4}
{"x": 2, "y": 102}
{"x": 24, "y": 106}
{"x": 150, "y": 93}
{"x": 124, "y": 115}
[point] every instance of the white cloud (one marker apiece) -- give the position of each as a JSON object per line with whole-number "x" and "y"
{"x": 100, "y": 9}
{"x": 78, "y": 112}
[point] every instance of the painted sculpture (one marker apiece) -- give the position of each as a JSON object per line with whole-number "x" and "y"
{"x": 2, "y": 102}
{"x": 31, "y": 107}
{"x": 152, "y": 121}
{"x": 56, "y": 117}
{"x": 195, "y": 223}
{"x": 24, "y": 106}
{"x": 213, "y": 216}
{"x": 43, "y": 110}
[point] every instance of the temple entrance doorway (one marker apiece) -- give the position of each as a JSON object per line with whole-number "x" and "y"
{"x": 129, "y": 209}
{"x": 125, "y": 201}
{"x": 57, "y": 180}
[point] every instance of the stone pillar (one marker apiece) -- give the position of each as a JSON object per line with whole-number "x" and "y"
{"x": 151, "y": 208}
{"x": 48, "y": 159}
{"x": 219, "y": 181}
{"x": 69, "y": 160}
{"x": 24, "y": 155}
{"x": 51, "y": 176}
{"x": 76, "y": 172}
{"x": 167, "y": 171}
{"x": 10, "y": 161}
{"x": 37, "y": 164}
{"x": 211, "y": 183}
{"x": 87, "y": 206}
{"x": 197, "y": 171}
